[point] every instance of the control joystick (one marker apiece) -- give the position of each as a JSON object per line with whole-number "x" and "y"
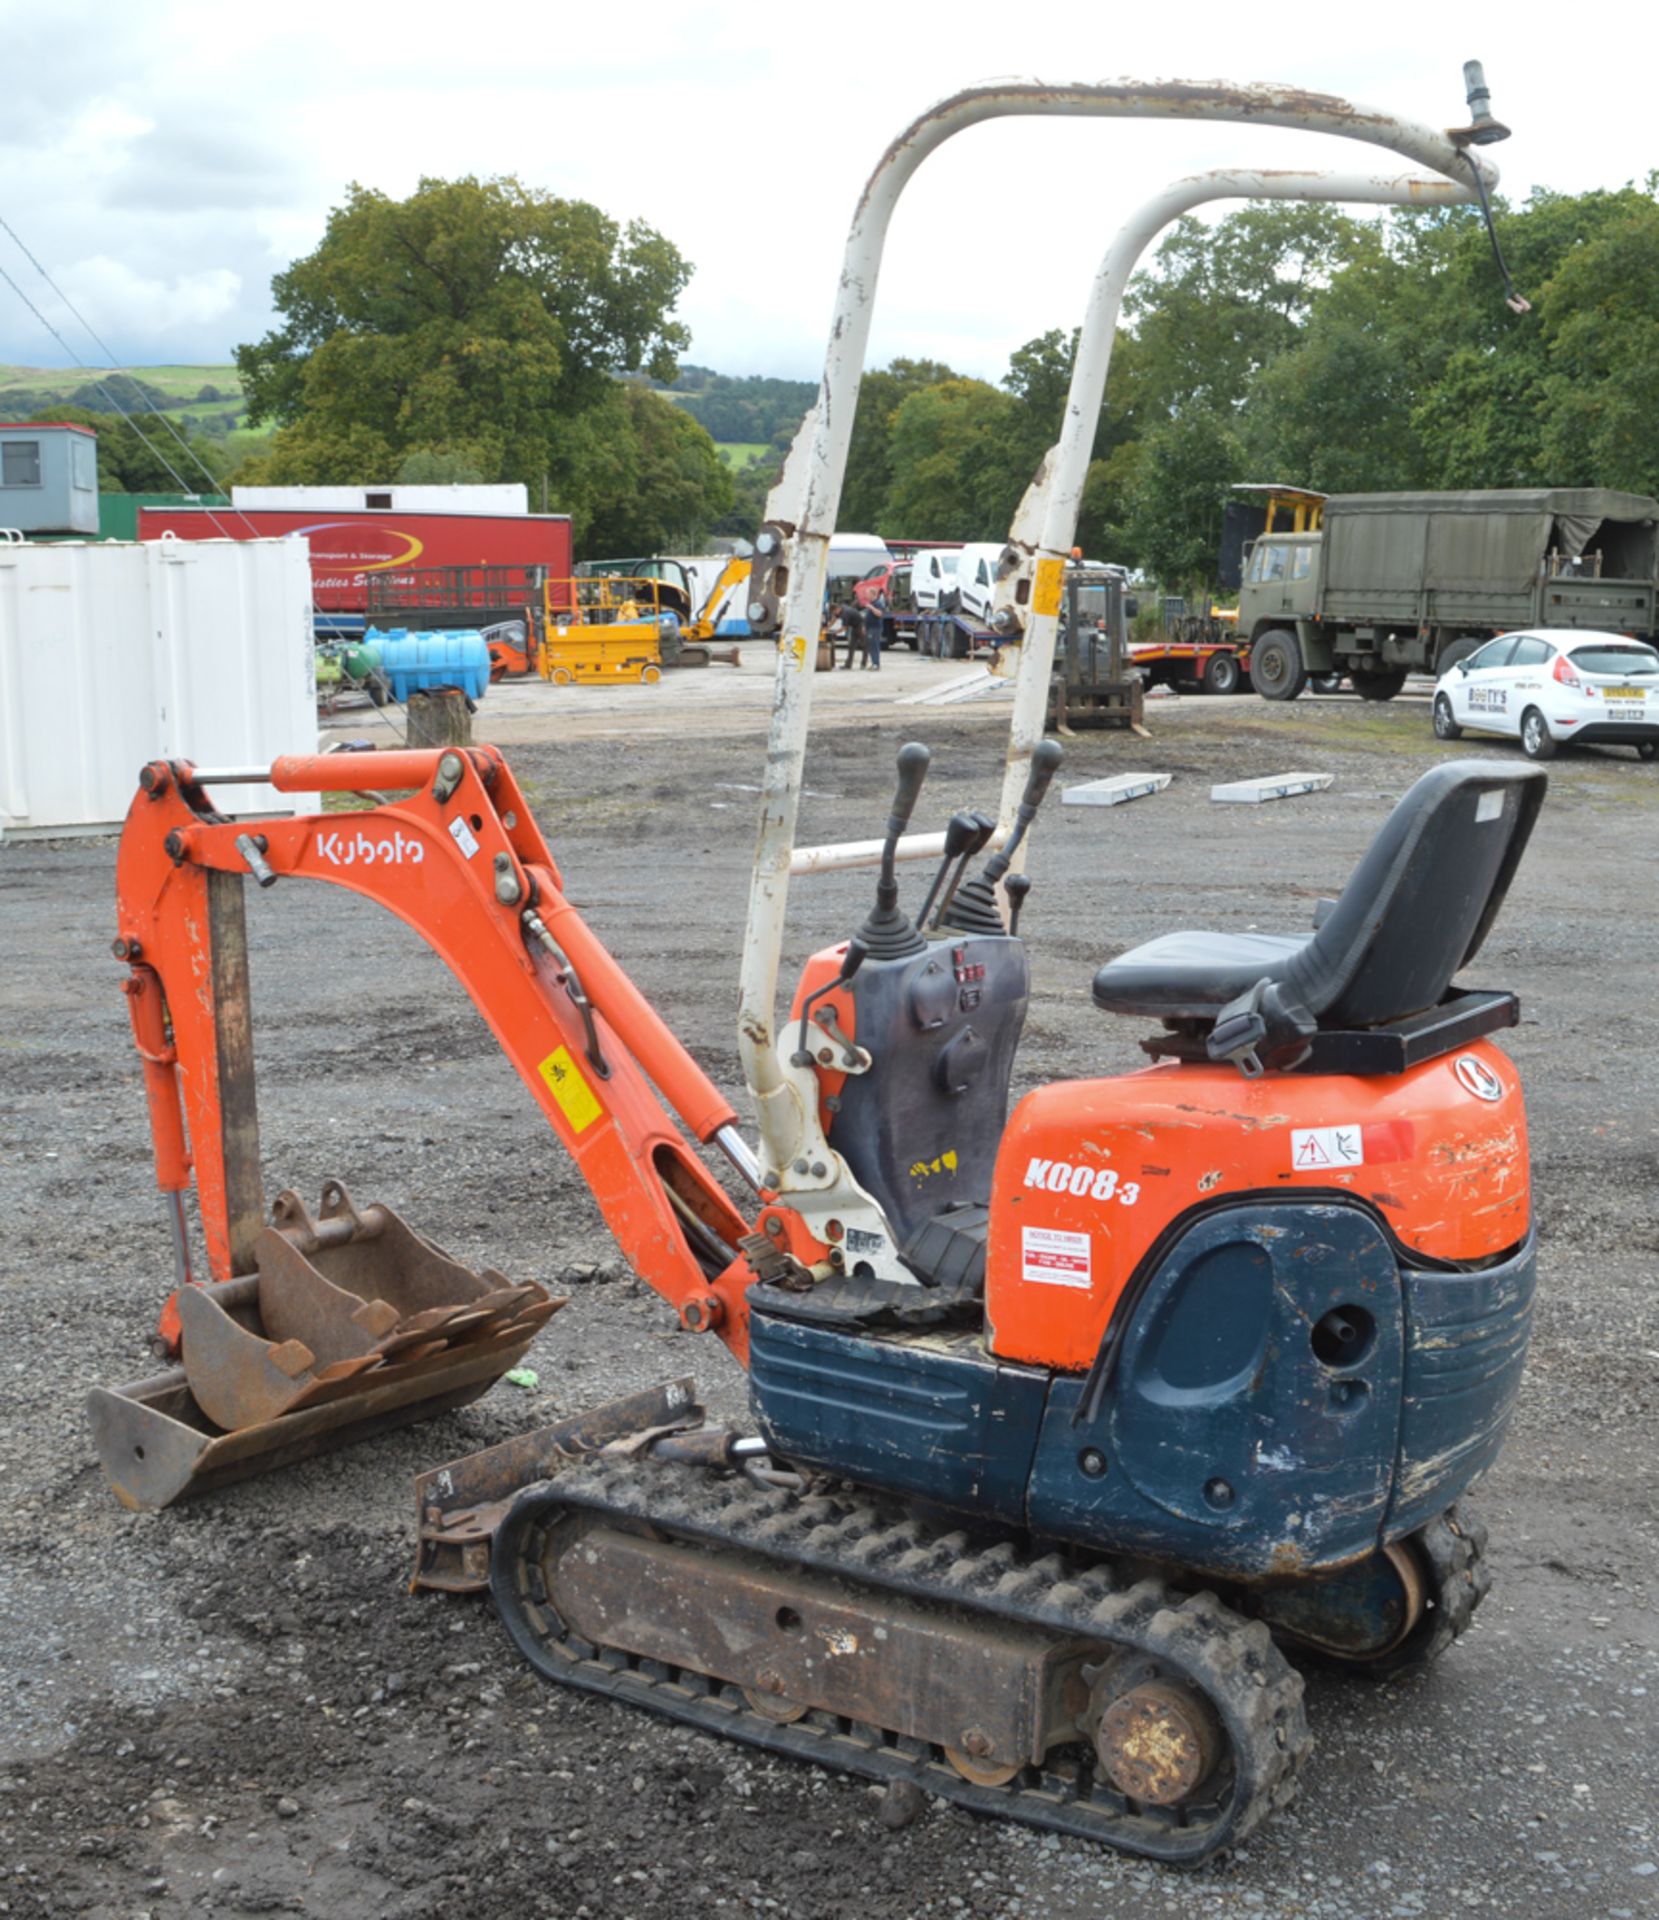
{"x": 887, "y": 933}
{"x": 974, "y": 910}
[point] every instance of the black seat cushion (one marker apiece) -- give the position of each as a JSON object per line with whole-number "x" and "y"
{"x": 1192, "y": 975}
{"x": 1414, "y": 912}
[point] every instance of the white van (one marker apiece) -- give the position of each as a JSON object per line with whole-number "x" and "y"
{"x": 932, "y": 575}
{"x": 851, "y": 557}
{"x": 976, "y": 578}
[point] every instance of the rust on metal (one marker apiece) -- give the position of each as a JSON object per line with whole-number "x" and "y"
{"x": 337, "y": 1304}
{"x": 794, "y": 1641}
{"x": 459, "y": 1506}
{"x": 156, "y": 1445}
{"x": 1158, "y": 1743}
{"x": 350, "y": 1322}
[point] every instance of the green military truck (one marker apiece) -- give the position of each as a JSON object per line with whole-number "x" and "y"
{"x": 1396, "y": 583}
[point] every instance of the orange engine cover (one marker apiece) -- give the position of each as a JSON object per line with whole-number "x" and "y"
{"x": 1091, "y": 1172}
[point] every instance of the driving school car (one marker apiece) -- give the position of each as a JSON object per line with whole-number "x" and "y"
{"x": 1554, "y": 688}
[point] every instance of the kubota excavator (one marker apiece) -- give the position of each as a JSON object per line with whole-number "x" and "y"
{"x": 1067, "y": 1420}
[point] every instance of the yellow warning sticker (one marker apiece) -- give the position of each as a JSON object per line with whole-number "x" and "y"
{"x": 1051, "y": 579}
{"x": 569, "y": 1087}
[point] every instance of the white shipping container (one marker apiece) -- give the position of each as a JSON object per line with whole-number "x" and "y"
{"x": 116, "y": 653}
{"x": 510, "y": 496}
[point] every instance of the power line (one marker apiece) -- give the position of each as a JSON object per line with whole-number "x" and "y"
{"x": 97, "y": 340}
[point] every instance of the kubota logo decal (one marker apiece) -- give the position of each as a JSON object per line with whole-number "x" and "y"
{"x": 359, "y": 850}
{"x": 1093, "y": 1183}
{"x": 1478, "y": 1077}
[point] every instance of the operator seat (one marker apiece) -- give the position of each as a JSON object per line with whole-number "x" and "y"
{"x": 1413, "y": 914}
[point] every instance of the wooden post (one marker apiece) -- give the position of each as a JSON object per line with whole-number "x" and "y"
{"x": 439, "y": 718}
{"x": 233, "y": 1037}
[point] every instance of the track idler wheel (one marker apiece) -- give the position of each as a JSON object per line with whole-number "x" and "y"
{"x": 1158, "y": 1742}
{"x": 770, "y": 1701}
{"x": 975, "y": 1765}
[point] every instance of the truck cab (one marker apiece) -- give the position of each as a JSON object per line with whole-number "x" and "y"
{"x": 1281, "y": 582}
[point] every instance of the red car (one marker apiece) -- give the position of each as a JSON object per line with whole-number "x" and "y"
{"x": 893, "y": 579}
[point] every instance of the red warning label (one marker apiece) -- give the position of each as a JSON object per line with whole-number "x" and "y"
{"x": 1055, "y": 1258}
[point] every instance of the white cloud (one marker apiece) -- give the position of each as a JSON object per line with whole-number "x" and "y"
{"x": 204, "y": 151}
{"x": 154, "y": 312}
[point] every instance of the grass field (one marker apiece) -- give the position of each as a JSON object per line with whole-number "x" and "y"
{"x": 180, "y": 384}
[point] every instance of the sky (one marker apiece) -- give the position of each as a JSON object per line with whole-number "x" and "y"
{"x": 163, "y": 161}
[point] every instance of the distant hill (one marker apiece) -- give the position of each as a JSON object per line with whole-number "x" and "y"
{"x": 749, "y": 416}
{"x": 207, "y": 400}
{"x": 750, "y": 410}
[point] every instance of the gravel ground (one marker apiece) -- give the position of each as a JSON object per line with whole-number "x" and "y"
{"x": 236, "y": 1707}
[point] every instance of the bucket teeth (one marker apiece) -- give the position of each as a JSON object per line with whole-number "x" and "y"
{"x": 352, "y": 1322}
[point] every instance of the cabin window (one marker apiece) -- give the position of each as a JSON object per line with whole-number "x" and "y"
{"x": 20, "y": 463}
{"x": 380, "y": 500}
{"x": 1269, "y": 562}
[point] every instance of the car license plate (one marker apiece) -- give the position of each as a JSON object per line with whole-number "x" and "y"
{"x": 1622, "y": 693}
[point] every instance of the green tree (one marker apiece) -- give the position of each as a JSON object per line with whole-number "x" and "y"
{"x": 1484, "y": 418}
{"x": 869, "y": 466}
{"x": 439, "y": 467}
{"x": 751, "y": 483}
{"x": 1221, "y": 302}
{"x": 1337, "y": 411}
{"x": 1600, "y": 399}
{"x": 483, "y": 329}
{"x": 1183, "y": 471}
{"x": 642, "y": 476}
{"x": 948, "y": 460}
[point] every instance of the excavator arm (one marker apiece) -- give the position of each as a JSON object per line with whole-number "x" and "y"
{"x": 461, "y": 861}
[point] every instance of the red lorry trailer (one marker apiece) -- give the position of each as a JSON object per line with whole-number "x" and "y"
{"x": 397, "y": 551}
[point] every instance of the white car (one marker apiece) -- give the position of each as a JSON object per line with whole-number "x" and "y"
{"x": 1551, "y": 688}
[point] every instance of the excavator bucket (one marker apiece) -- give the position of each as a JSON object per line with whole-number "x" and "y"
{"x": 352, "y": 1323}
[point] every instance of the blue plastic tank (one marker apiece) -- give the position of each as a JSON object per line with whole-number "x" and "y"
{"x": 412, "y": 662}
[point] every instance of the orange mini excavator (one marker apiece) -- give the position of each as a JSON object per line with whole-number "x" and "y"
{"x": 1067, "y": 1421}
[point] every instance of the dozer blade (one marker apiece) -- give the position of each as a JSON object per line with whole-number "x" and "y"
{"x": 352, "y": 1324}
{"x": 459, "y": 1506}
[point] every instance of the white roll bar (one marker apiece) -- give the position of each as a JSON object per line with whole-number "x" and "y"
{"x": 790, "y": 565}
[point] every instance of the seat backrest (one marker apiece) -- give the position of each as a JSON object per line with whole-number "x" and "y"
{"x": 1419, "y": 904}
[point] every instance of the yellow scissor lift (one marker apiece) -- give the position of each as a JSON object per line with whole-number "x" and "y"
{"x": 605, "y": 628}
{"x": 609, "y": 627}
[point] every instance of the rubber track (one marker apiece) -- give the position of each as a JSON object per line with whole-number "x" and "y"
{"x": 1234, "y": 1663}
{"x": 1453, "y": 1547}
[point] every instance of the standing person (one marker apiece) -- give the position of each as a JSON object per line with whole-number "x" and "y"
{"x": 875, "y": 614}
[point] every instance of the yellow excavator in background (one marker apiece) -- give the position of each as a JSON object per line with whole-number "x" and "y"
{"x": 629, "y": 619}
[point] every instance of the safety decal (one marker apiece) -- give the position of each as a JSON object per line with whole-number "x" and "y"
{"x": 1477, "y": 1077}
{"x": 1092, "y": 1183}
{"x": 1325, "y": 1149}
{"x": 463, "y": 836}
{"x": 940, "y": 1163}
{"x": 569, "y": 1087}
{"x": 1050, "y": 582}
{"x": 1054, "y": 1258}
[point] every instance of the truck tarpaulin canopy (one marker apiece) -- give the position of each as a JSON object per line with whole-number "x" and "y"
{"x": 1496, "y": 539}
